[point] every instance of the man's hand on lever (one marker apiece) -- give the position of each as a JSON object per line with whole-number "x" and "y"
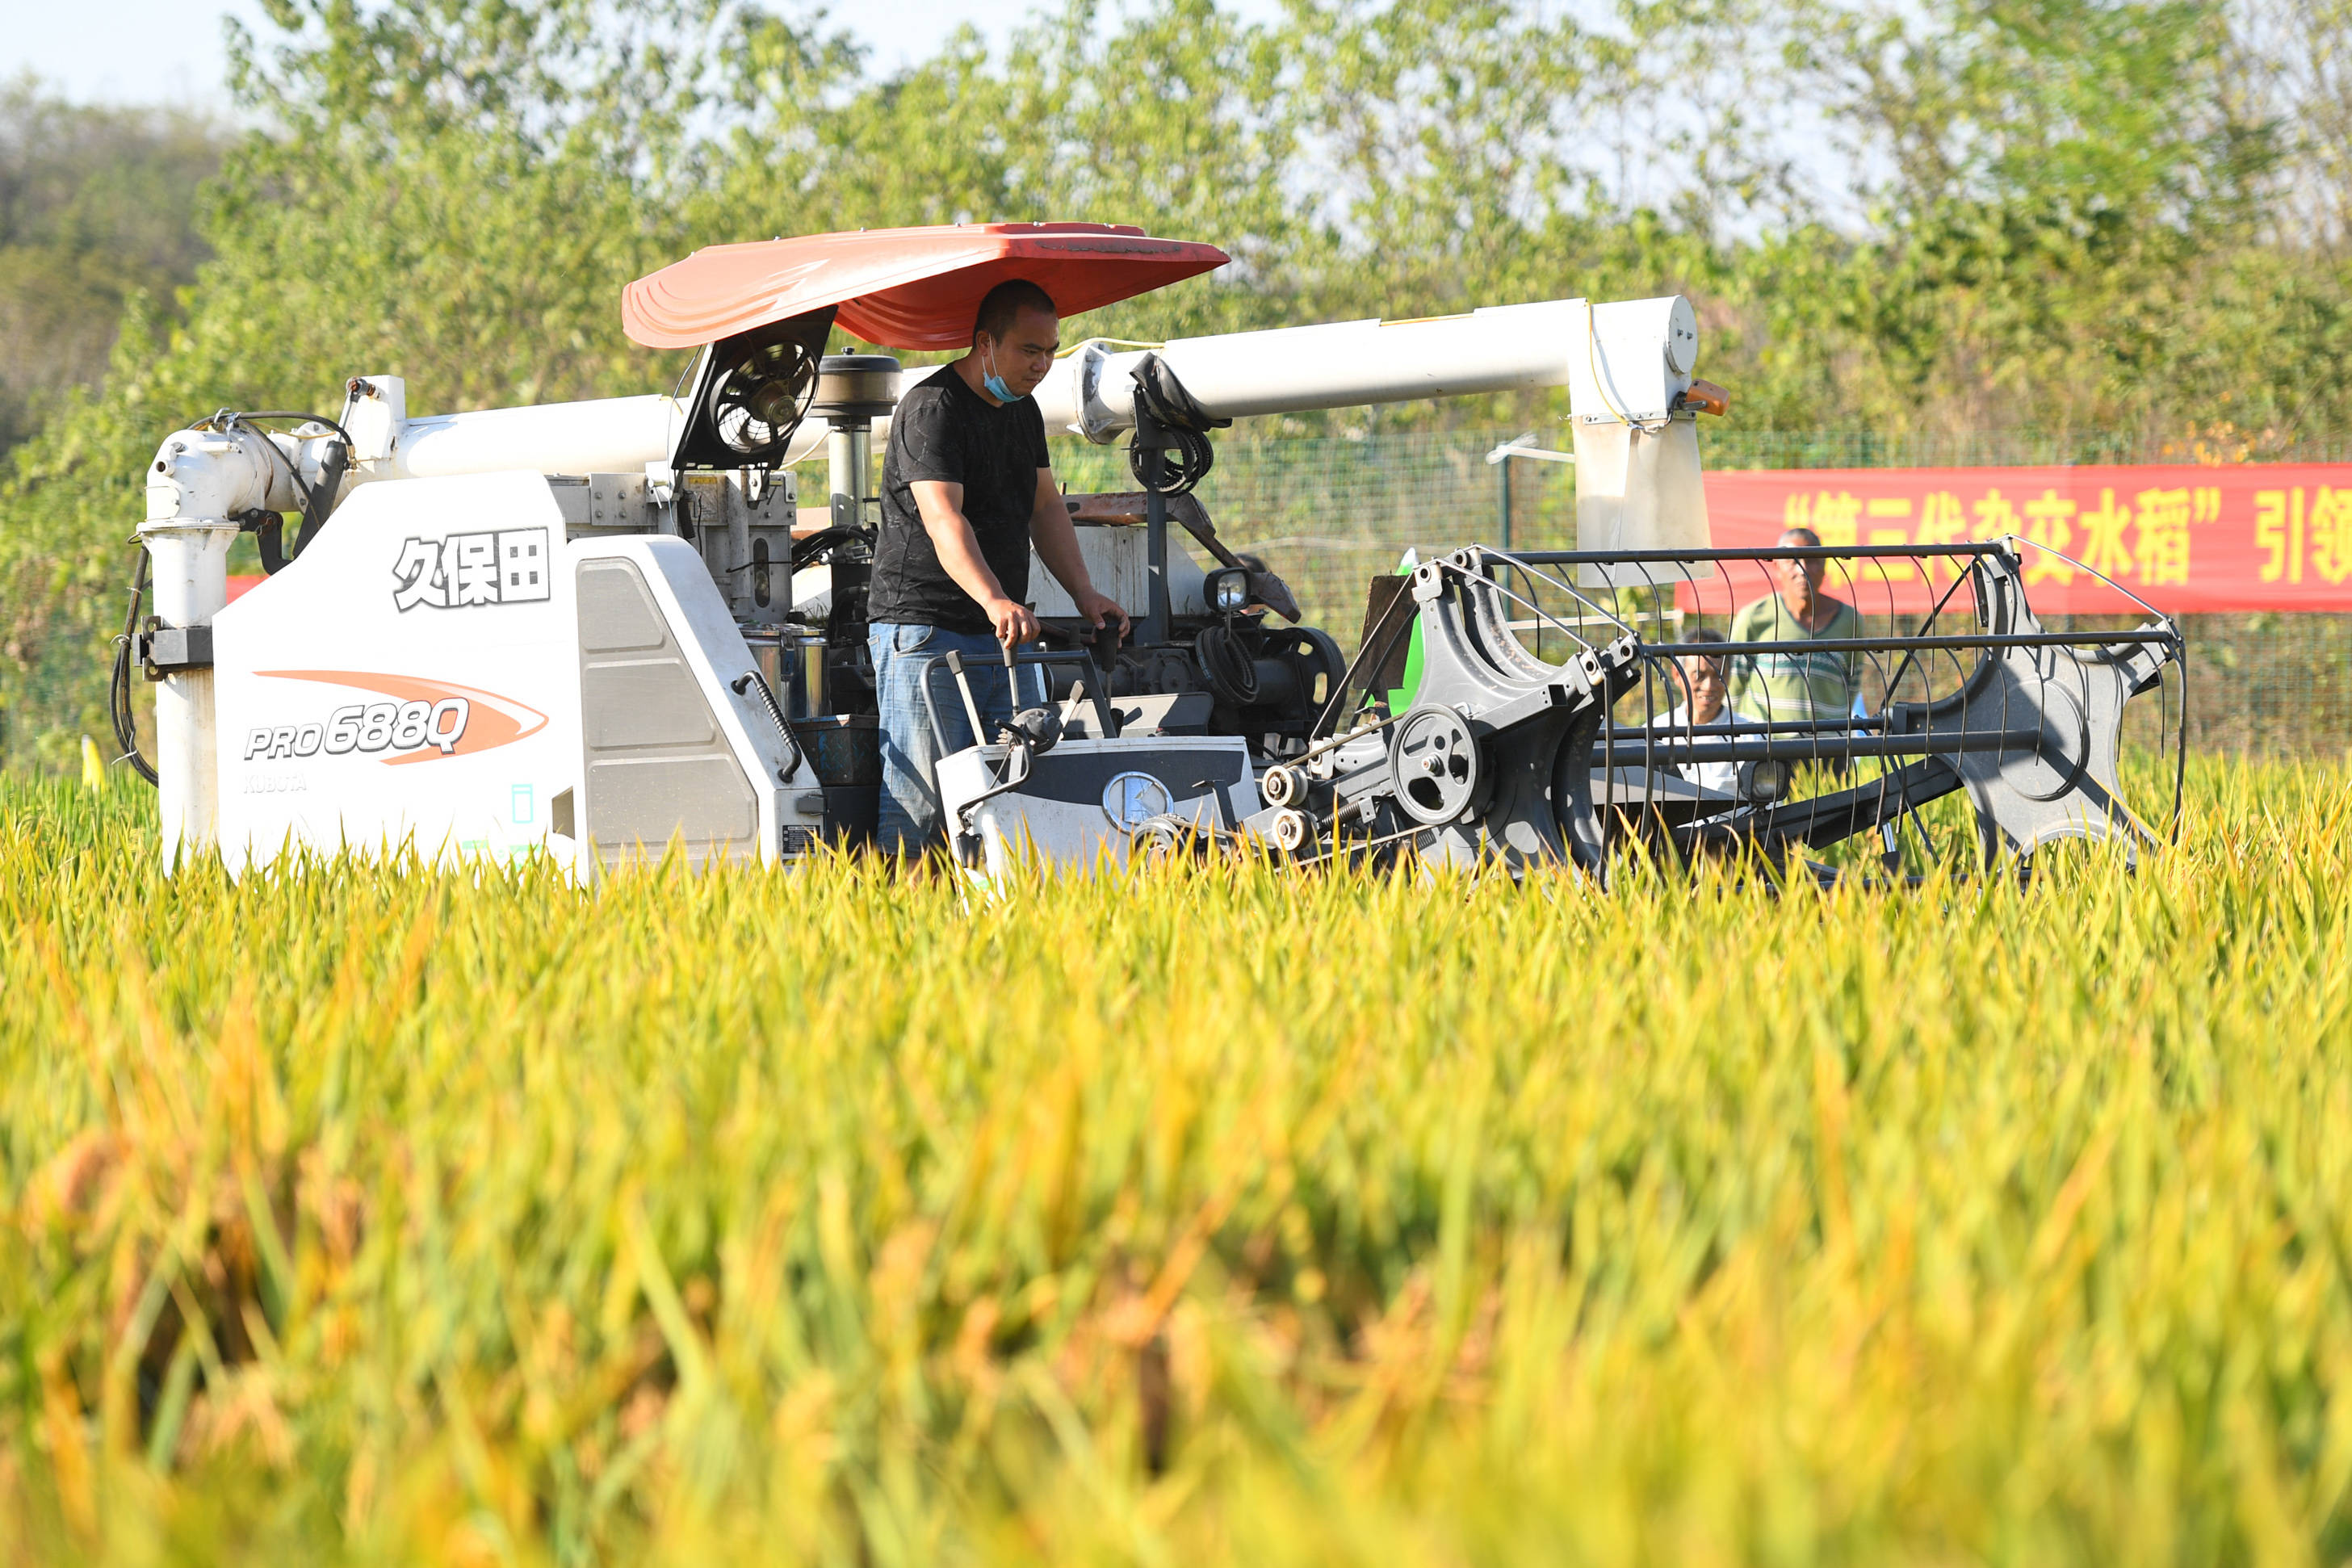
{"x": 1098, "y": 607}
{"x": 1013, "y": 623}
{"x": 1057, "y": 547}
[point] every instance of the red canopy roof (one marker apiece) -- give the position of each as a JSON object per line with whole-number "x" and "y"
{"x": 904, "y": 287}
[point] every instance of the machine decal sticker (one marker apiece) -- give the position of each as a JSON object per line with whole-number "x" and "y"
{"x": 512, "y": 567}
{"x": 1132, "y": 799}
{"x": 276, "y": 784}
{"x": 425, "y": 720}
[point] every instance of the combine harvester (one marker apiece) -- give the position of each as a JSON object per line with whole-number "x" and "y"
{"x": 598, "y": 630}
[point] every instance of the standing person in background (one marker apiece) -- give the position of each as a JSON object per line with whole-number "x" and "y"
{"x": 966, "y": 489}
{"x": 1796, "y": 685}
{"x": 1705, "y": 683}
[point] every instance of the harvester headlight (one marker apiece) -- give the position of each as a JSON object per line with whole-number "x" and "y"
{"x": 1229, "y": 591}
{"x": 1766, "y": 781}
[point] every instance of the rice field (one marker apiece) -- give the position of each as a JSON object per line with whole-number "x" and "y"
{"x": 386, "y": 1215}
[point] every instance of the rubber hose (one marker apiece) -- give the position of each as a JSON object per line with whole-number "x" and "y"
{"x": 117, "y": 685}
{"x": 1230, "y": 671}
{"x": 1183, "y": 465}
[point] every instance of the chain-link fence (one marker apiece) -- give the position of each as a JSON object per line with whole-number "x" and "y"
{"x": 1329, "y": 512}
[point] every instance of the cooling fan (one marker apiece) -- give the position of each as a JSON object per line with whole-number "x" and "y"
{"x": 760, "y": 400}
{"x": 751, "y": 393}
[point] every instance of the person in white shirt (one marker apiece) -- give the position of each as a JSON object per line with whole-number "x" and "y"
{"x": 1706, "y": 681}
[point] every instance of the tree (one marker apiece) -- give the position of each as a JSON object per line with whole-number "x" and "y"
{"x": 96, "y": 205}
{"x": 2112, "y": 221}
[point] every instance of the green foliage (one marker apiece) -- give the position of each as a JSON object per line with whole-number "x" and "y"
{"x": 2112, "y": 223}
{"x": 2067, "y": 186}
{"x": 97, "y": 207}
{"x": 381, "y": 1214}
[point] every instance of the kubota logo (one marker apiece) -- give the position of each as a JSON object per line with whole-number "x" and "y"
{"x": 425, "y": 721}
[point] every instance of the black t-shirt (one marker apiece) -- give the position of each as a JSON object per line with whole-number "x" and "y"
{"x": 942, "y": 429}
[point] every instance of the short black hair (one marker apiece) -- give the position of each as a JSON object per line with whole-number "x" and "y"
{"x": 1813, "y": 540}
{"x": 1003, "y": 306}
{"x": 1703, "y": 634}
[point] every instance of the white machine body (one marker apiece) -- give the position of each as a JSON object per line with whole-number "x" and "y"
{"x": 1083, "y": 802}
{"x": 443, "y": 671}
{"x": 384, "y": 689}
{"x": 1627, "y": 361}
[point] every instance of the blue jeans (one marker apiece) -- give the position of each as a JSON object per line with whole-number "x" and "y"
{"x": 910, "y": 817}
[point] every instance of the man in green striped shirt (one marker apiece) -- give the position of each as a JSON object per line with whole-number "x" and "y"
{"x": 1785, "y": 686}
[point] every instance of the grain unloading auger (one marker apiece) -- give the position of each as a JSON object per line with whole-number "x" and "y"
{"x": 599, "y": 630}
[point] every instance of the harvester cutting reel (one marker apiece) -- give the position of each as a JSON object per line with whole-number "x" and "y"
{"x": 1498, "y": 756}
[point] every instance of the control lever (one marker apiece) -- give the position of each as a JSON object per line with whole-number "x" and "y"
{"x": 963, "y": 686}
{"x": 1032, "y": 728}
{"x": 1103, "y": 647}
{"x": 1028, "y": 734}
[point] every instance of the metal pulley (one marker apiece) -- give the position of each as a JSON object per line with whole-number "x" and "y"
{"x": 1434, "y": 759}
{"x": 1294, "y": 831}
{"x": 1283, "y": 786}
{"x": 1167, "y": 837}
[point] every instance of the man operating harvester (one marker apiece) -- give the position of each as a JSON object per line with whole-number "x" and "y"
{"x": 967, "y": 487}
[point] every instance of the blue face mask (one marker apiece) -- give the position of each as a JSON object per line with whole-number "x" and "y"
{"x": 995, "y": 383}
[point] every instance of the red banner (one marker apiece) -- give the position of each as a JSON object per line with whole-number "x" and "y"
{"x": 2187, "y": 540}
